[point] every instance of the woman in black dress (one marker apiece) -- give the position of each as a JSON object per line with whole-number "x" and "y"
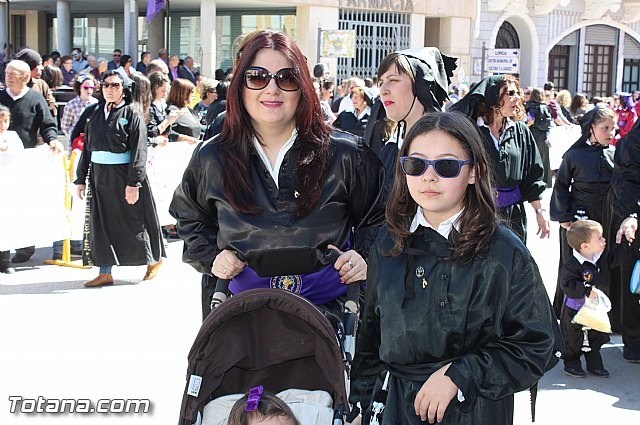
{"x": 122, "y": 226}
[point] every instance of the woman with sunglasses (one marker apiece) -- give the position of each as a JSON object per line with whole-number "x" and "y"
{"x": 278, "y": 187}
{"x": 495, "y": 105}
{"x": 456, "y": 310}
{"x": 84, "y": 86}
{"x": 122, "y": 225}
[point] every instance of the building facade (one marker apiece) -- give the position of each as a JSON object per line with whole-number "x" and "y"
{"x": 592, "y": 46}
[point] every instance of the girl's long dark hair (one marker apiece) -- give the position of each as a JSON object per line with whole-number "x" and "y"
{"x": 235, "y": 140}
{"x": 479, "y": 219}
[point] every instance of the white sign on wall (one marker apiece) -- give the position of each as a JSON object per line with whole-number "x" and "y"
{"x": 503, "y": 61}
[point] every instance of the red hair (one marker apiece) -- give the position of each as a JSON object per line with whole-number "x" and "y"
{"x": 235, "y": 140}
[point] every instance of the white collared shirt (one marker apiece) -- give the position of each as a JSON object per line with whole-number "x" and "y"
{"x": 367, "y": 111}
{"x": 608, "y": 152}
{"x": 275, "y": 170}
{"x": 444, "y": 228}
{"x": 19, "y": 95}
{"x": 496, "y": 142}
{"x": 582, "y": 259}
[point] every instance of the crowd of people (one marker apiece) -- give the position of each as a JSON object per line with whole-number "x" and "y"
{"x": 426, "y": 206}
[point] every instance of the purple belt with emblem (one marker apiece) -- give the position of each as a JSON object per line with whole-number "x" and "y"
{"x": 319, "y": 287}
{"x": 508, "y": 196}
{"x": 574, "y": 303}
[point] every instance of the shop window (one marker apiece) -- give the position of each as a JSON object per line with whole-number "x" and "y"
{"x": 559, "y": 66}
{"x": 598, "y": 70}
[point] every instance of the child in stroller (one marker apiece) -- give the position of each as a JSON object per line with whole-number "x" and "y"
{"x": 258, "y": 406}
{"x": 272, "y": 338}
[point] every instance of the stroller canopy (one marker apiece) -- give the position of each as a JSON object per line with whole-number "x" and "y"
{"x": 264, "y": 337}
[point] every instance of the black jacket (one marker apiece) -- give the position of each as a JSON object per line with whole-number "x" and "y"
{"x": 491, "y": 318}
{"x": 30, "y": 114}
{"x": 349, "y": 202}
{"x": 582, "y": 183}
{"x": 626, "y": 183}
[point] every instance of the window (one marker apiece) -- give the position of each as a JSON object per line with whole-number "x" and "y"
{"x": 507, "y": 37}
{"x": 559, "y": 66}
{"x": 631, "y": 75}
{"x": 597, "y": 78}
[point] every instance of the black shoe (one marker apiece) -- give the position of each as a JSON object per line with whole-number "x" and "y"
{"x": 576, "y": 372}
{"x": 56, "y": 257}
{"x": 601, "y": 372}
{"x": 7, "y": 270}
{"x": 20, "y": 258}
{"x": 632, "y": 356}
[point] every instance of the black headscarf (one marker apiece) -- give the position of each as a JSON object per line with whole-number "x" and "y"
{"x": 487, "y": 90}
{"x": 585, "y": 125}
{"x": 432, "y": 72}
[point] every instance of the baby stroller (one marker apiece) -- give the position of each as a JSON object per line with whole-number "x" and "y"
{"x": 263, "y": 337}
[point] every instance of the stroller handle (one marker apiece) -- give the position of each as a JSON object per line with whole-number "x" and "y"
{"x": 221, "y": 294}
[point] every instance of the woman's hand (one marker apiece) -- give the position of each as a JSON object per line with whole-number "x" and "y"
{"x": 80, "y": 190}
{"x": 544, "y": 226}
{"x": 628, "y": 229}
{"x": 350, "y": 265}
{"x": 162, "y": 140}
{"x": 131, "y": 194}
{"x": 227, "y": 265}
{"x": 172, "y": 117}
{"x": 435, "y": 395}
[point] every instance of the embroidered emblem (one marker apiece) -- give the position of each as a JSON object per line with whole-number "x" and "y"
{"x": 123, "y": 121}
{"x": 587, "y": 275}
{"x": 296, "y": 194}
{"x": 420, "y": 271}
{"x": 290, "y": 283}
{"x": 424, "y": 283}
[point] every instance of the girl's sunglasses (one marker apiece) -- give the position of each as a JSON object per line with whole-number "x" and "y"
{"x": 446, "y": 168}
{"x": 257, "y": 78}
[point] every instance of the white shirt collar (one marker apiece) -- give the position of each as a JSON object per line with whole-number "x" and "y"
{"x": 275, "y": 170}
{"x": 161, "y": 104}
{"x": 582, "y": 259}
{"x": 106, "y": 110}
{"x": 496, "y": 142}
{"x": 444, "y": 228}
{"x": 395, "y": 138}
{"x": 367, "y": 111}
{"x": 19, "y": 95}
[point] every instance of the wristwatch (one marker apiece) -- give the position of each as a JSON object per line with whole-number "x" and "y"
{"x": 540, "y": 210}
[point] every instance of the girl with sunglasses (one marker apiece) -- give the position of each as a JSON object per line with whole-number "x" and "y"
{"x": 122, "y": 224}
{"x": 278, "y": 185}
{"x": 456, "y": 313}
{"x": 495, "y": 105}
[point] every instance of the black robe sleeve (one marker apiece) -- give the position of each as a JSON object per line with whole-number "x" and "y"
{"x": 560, "y": 209}
{"x": 138, "y": 144}
{"x": 197, "y": 219}
{"x": 625, "y": 180}
{"x": 85, "y": 158}
{"x": 532, "y": 184}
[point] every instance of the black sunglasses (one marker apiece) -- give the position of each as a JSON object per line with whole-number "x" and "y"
{"x": 446, "y": 168}
{"x": 512, "y": 93}
{"x": 257, "y": 78}
{"x": 112, "y": 85}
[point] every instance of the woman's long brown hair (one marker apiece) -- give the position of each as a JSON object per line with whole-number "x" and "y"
{"x": 485, "y": 111}
{"x": 479, "y": 219}
{"x": 235, "y": 140}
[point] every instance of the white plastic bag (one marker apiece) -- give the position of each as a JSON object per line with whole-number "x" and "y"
{"x": 593, "y": 314}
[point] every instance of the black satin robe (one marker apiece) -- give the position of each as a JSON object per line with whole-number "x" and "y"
{"x": 276, "y": 238}
{"x": 490, "y": 318}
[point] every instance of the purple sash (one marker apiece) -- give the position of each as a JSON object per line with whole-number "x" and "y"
{"x": 319, "y": 287}
{"x": 508, "y": 196}
{"x": 574, "y": 303}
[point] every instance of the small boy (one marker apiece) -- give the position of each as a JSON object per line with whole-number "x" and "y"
{"x": 9, "y": 142}
{"x": 577, "y": 277}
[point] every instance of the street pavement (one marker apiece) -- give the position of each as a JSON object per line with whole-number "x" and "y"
{"x": 59, "y": 340}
